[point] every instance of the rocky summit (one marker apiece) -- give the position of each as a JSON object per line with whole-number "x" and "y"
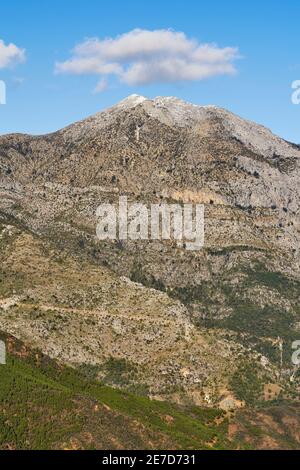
{"x": 213, "y": 327}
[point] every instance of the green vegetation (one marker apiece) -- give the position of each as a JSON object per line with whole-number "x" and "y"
{"x": 273, "y": 280}
{"x": 119, "y": 372}
{"x": 279, "y": 421}
{"x": 45, "y": 405}
{"x": 148, "y": 280}
{"x": 233, "y": 249}
{"x": 256, "y": 324}
{"x": 246, "y": 384}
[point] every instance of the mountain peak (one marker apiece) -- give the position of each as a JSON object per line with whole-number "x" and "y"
{"x": 131, "y": 101}
{"x": 175, "y": 112}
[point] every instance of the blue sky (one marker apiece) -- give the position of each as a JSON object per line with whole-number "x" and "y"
{"x": 265, "y": 33}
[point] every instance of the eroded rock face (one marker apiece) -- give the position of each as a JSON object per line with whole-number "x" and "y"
{"x": 242, "y": 287}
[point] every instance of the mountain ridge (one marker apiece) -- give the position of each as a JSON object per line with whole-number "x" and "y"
{"x": 236, "y": 295}
{"x": 134, "y": 100}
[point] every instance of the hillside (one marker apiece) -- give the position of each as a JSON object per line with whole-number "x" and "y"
{"x": 45, "y": 405}
{"x": 196, "y": 328}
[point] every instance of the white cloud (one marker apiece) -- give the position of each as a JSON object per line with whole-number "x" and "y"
{"x": 101, "y": 86}
{"x": 10, "y": 55}
{"x": 140, "y": 57}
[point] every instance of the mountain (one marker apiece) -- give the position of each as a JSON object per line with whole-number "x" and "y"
{"x": 202, "y": 327}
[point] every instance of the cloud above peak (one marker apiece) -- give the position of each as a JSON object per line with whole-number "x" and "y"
{"x": 142, "y": 57}
{"x": 10, "y": 55}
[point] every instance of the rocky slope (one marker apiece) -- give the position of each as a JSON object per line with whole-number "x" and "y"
{"x": 185, "y": 324}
